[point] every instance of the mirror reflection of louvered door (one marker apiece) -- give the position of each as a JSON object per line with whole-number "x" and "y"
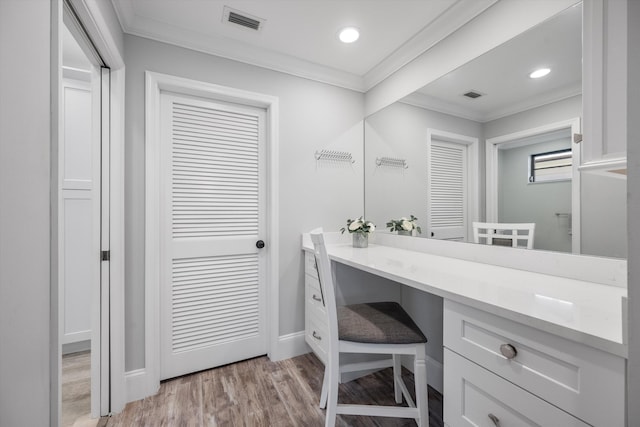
{"x": 212, "y": 290}
{"x": 447, "y": 191}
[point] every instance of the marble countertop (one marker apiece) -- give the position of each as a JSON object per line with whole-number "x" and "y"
{"x": 582, "y": 311}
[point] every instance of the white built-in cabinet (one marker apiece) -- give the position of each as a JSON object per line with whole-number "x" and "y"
{"x": 604, "y": 80}
{"x": 76, "y": 214}
{"x": 316, "y": 328}
{"x": 500, "y": 372}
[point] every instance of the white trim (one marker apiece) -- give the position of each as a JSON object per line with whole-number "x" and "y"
{"x": 473, "y": 175}
{"x": 136, "y": 384}
{"x": 292, "y": 345}
{"x": 457, "y": 15}
{"x": 155, "y": 83}
{"x": 492, "y": 147}
{"x": 435, "y": 371}
{"x": 116, "y": 240}
{"x": 93, "y": 21}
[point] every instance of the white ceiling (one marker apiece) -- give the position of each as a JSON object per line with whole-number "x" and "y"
{"x": 300, "y": 36}
{"x": 502, "y": 74}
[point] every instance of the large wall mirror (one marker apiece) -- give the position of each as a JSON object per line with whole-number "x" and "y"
{"x": 487, "y": 142}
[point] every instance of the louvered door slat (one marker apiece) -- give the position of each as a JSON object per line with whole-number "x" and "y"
{"x": 447, "y": 190}
{"x": 213, "y": 167}
{"x": 215, "y": 309}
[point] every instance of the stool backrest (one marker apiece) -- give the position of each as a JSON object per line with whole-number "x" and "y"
{"x": 518, "y": 235}
{"x": 323, "y": 264}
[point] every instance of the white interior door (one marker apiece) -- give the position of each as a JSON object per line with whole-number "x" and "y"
{"x": 212, "y": 290}
{"x": 447, "y": 213}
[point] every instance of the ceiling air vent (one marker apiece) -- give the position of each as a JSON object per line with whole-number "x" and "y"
{"x": 243, "y": 19}
{"x": 473, "y": 94}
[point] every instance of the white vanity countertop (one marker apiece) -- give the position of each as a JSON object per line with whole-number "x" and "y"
{"x": 581, "y": 311}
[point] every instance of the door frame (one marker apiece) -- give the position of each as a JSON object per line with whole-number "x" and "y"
{"x": 473, "y": 183}
{"x": 102, "y": 34}
{"x": 154, "y": 84}
{"x": 494, "y": 144}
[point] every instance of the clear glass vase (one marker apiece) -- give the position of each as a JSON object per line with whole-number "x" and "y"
{"x": 360, "y": 240}
{"x": 404, "y": 233}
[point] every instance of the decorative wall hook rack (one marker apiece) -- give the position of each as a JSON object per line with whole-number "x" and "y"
{"x": 392, "y": 162}
{"x": 334, "y": 155}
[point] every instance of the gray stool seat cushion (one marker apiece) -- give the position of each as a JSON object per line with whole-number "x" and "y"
{"x": 378, "y": 323}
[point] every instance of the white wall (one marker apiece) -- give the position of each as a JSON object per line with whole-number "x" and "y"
{"x": 521, "y": 201}
{"x": 25, "y": 232}
{"x": 603, "y": 199}
{"x": 633, "y": 209}
{"x": 400, "y": 131}
{"x": 313, "y": 116}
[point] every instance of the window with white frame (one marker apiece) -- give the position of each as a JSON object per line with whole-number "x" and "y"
{"x": 550, "y": 166}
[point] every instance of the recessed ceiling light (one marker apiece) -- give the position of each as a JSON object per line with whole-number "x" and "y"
{"x": 349, "y": 35}
{"x": 541, "y": 72}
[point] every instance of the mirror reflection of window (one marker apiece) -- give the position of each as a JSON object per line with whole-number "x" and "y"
{"x": 535, "y": 187}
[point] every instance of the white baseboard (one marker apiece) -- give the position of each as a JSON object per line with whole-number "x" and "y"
{"x": 290, "y": 345}
{"x": 136, "y": 384}
{"x": 435, "y": 372}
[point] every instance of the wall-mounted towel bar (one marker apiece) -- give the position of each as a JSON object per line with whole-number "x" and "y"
{"x": 334, "y": 156}
{"x": 392, "y": 162}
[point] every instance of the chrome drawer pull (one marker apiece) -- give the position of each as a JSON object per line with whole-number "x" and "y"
{"x": 496, "y": 421}
{"x": 508, "y": 351}
{"x": 316, "y": 336}
{"x": 317, "y": 298}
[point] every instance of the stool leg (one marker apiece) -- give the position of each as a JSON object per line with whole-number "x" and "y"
{"x": 422, "y": 398}
{"x": 325, "y": 388}
{"x": 397, "y": 377}
{"x": 332, "y": 396}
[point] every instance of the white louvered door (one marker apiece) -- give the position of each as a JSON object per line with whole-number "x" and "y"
{"x": 447, "y": 216}
{"x": 212, "y": 214}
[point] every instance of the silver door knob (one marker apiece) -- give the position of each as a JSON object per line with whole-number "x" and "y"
{"x": 508, "y": 351}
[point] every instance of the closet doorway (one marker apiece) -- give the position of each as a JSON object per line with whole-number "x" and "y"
{"x": 83, "y": 218}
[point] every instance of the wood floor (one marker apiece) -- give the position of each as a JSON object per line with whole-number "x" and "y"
{"x": 259, "y": 392}
{"x": 76, "y": 389}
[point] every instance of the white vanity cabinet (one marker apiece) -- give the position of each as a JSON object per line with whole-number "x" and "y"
{"x": 604, "y": 74}
{"x": 316, "y": 328}
{"x": 500, "y": 372}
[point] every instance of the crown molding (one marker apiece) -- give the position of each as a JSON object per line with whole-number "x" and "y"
{"x": 232, "y": 49}
{"x": 442, "y": 26}
{"x": 421, "y": 100}
{"x": 461, "y": 12}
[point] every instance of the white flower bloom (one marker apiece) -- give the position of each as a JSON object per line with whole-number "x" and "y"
{"x": 355, "y": 225}
{"x": 407, "y": 225}
{"x": 372, "y": 227}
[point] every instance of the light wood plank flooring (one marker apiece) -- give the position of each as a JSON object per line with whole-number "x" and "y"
{"x": 259, "y": 392}
{"x": 76, "y": 390}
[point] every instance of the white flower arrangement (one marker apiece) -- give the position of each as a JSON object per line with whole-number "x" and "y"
{"x": 359, "y": 225}
{"x": 404, "y": 224}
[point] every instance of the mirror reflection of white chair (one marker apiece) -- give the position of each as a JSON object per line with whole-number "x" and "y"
{"x": 517, "y": 235}
{"x": 370, "y": 328}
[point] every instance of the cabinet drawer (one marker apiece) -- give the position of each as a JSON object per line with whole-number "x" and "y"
{"x": 570, "y": 375}
{"x": 317, "y": 336}
{"x": 477, "y": 397}
{"x": 310, "y": 264}
{"x": 313, "y": 301}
